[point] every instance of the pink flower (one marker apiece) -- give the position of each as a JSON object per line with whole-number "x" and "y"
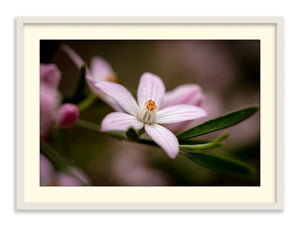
{"x": 50, "y": 75}
{"x": 49, "y": 97}
{"x": 99, "y": 70}
{"x": 50, "y": 110}
{"x": 147, "y": 111}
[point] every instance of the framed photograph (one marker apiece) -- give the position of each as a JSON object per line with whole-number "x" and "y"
{"x": 149, "y": 113}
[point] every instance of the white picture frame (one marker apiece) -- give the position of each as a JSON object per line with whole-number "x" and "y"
{"x": 29, "y": 195}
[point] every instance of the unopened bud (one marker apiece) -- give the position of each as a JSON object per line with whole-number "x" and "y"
{"x": 67, "y": 115}
{"x": 50, "y": 75}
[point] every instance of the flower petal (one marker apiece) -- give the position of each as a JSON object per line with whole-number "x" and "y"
{"x": 100, "y": 69}
{"x": 121, "y": 95}
{"x": 110, "y": 101}
{"x": 184, "y": 94}
{"x": 119, "y": 121}
{"x": 164, "y": 138}
{"x": 197, "y": 100}
{"x": 78, "y": 61}
{"x": 151, "y": 87}
{"x": 179, "y": 113}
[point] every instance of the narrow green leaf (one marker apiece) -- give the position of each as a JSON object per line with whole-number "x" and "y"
{"x": 201, "y": 147}
{"x": 53, "y": 155}
{"x": 58, "y": 161}
{"x": 222, "y": 164}
{"x": 219, "y": 123}
{"x": 80, "y": 92}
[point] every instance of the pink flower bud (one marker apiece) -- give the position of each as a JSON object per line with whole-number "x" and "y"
{"x": 49, "y": 75}
{"x": 67, "y": 115}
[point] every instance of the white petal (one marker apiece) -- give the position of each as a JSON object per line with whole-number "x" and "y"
{"x": 110, "y": 101}
{"x": 164, "y": 138}
{"x": 151, "y": 87}
{"x": 121, "y": 95}
{"x": 119, "y": 121}
{"x": 179, "y": 113}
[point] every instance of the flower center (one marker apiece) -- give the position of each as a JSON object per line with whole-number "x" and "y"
{"x": 148, "y": 113}
{"x": 150, "y": 105}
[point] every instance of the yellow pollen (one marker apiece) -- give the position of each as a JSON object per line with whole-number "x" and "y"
{"x": 150, "y": 105}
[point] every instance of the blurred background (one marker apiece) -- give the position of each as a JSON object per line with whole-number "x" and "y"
{"x": 228, "y": 72}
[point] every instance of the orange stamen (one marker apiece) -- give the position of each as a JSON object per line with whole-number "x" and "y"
{"x": 150, "y": 105}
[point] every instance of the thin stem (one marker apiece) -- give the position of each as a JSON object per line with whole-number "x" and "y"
{"x": 140, "y": 131}
{"x": 84, "y": 104}
{"x": 88, "y": 125}
{"x": 145, "y": 140}
{"x": 200, "y": 147}
{"x": 122, "y": 136}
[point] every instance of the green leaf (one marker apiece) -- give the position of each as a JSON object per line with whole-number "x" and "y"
{"x": 222, "y": 164}
{"x": 201, "y": 147}
{"x": 80, "y": 91}
{"x": 219, "y": 123}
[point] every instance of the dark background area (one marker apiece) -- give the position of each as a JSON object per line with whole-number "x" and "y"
{"x": 228, "y": 72}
